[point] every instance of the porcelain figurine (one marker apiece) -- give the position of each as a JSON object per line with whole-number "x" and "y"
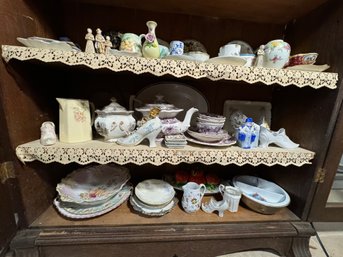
{"x": 99, "y": 42}
{"x": 149, "y": 129}
{"x": 213, "y": 205}
{"x": 89, "y": 42}
{"x": 48, "y": 135}
{"x": 247, "y": 135}
{"x": 108, "y": 45}
{"x": 260, "y": 56}
{"x": 192, "y": 196}
{"x": 75, "y": 120}
{"x": 276, "y": 54}
{"x": 114, "y": 121}
{"x": 275, "y": 137}
{"x": 150, "y": 48}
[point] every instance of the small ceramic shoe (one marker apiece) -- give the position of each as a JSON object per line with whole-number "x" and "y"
{"x": 150, "y": 129}
{"x": 214, "y": 205}
{"x": 275, "y": 137}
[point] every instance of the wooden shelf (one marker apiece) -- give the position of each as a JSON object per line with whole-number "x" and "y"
{"x": 102, "y": 152}
{"x": 176, "y": 68}
{"x": 125, "y": 215}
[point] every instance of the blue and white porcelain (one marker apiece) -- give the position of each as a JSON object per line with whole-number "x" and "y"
{"x": 176, "y": 47}
{"x": 248, "y": 134}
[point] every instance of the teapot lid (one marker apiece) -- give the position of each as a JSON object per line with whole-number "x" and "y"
{"x": 113, "y": 108}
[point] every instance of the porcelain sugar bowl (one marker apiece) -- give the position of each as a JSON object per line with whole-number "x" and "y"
{"x": 114, "y": 121}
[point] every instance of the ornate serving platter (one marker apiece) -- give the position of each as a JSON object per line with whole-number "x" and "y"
{"x": 94, "y": 211}
{"x": 93, "y": 185}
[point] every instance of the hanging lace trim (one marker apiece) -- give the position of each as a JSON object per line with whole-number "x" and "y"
{"x": 176, "y": 68}
{"x": 102, "y": 153}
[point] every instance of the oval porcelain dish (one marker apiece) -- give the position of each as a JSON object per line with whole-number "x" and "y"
{"x": 154, "y": 192}
{"x": 261, "y": 195}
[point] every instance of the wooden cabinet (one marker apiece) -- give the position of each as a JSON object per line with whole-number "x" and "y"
{"x": 306, "y": 104}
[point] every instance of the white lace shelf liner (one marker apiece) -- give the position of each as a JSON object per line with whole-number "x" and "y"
{"x": 176, "y": 68}
{"x": 101, "y": 152}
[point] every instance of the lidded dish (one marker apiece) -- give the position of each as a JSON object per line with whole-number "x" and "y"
{"x": 167, "y": 110}
{"x": 114, "y": 121}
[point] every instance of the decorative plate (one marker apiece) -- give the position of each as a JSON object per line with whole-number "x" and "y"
{"x": 154, "y": 192}
{"x": 95, "y": 211}
{"x": 93, "y": 185}
{"x": 47, "y": 43}
{"x": 209, "y": 190}
{"x": 180, "y": 95}
{"x": 137, "y": 206}
{"x": 253, "y": 109}
{"x": 229, "y": 60}
{"x": 309, "y": 67}
{"x": 223, "y": 143}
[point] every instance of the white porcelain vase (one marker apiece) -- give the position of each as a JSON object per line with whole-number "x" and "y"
{"x": 276, "y": 54}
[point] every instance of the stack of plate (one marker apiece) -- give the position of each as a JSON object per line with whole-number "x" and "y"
{"x": 92, "y": 191}
{"x": 153, "y": 197}
{"x": 175, "y": 141}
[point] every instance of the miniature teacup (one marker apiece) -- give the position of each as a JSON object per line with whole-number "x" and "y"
{"x": 230, "y": 50}
{"x": 130, "y": 42}
{"x": 192, "y": 196}
{"x": 176, "y": 47}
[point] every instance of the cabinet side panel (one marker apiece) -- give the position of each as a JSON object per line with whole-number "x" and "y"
{"x": 22, "y": 116}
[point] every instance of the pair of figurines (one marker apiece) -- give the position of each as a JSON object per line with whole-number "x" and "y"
{"x": 251, "y": 135}
{"x": 98, "y": 44}
{"x": 231, "y": 197}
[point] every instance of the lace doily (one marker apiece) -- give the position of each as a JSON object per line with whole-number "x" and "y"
{"x": 176, "y": 68}
{"x": 102, "y": 153}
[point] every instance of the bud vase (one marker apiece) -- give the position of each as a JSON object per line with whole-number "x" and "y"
{"x": 150, "y": 47}
{"x": 276, "y": 54}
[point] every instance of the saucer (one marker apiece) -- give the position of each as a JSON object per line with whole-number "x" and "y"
{"x": 154, "y": 192}
{"x": 137, "y": 206}
{"x": 229, "y": 60}
{"x": 125, "y": 53}
{"x": 180, "y": 57}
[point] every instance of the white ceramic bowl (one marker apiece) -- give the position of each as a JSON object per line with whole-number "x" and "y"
{"x": 154, "y": 192}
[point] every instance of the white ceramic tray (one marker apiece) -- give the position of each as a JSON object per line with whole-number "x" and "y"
{"x": 254, "y": 109}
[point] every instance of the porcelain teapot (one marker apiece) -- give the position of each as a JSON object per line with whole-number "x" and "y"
{"x": 75, "y": 120}
{"x": 114, "y": 121}
{"x": 173, "y": 126}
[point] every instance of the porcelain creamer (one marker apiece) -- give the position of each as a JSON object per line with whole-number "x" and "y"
{"x": 114, "y": 121}
{"x": 192, "y": 196}
{"x": 75, "y": 120}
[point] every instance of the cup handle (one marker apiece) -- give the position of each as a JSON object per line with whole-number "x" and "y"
{"x": 202, "y": 190}
{"x": 221, "y": 188}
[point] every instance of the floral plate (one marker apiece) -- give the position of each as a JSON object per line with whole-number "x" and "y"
{"x": 93, "y": 185}
{"x": 223, "y": 143}
{"x": 94, "y": 211}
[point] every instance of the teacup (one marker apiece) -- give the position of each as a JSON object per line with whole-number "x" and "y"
{"x": 176, "y": 47}
{"x": 130, "y": 42}
{"x": 230, "y": 50}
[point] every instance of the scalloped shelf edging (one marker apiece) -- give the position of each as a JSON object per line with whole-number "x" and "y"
{"x": 101, "y": 152}
{"x": 176, "y": 68}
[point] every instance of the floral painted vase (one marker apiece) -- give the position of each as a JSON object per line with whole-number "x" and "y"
{"x": 276, "y": 54}
{"x": 150, "y": 47}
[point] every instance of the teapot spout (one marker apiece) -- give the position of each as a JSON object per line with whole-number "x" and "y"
{"x": 187, "y": 120}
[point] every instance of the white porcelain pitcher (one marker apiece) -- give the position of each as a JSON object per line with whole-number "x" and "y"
{"x": 75, "y": 120}
{"x": 192, "y": 196}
